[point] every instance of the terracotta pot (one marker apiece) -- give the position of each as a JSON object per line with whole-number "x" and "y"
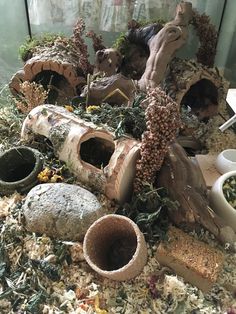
{"x": 98, "y": 159}
{"x": 115, "y": 247}
{"x": 19, "y": 168}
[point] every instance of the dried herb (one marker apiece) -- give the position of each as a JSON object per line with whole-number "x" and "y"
{"x": 49, "y": 270}
{"x": 121, "y": 120}
{"x": 208, "y": 35}
{"x": 61, "y": 251}
{"x": 145, "y": 209}
{"x": 229, "y": 190}
{"x": 35, "y": 301}
{"x": 4, "y": 261}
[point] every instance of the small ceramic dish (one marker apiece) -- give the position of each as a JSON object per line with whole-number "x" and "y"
{"x": 219, "y": 202}
{"x": 226, "y": 161}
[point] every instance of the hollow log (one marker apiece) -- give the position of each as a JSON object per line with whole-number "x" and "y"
{"x": 164, "y": 45}
{"x": 201, "y": 89}
{"x": 184, "y": 74}
{"x": 185, "y": 183}
{"x": 93, "y": 154}
{"x": 56, "y": 67}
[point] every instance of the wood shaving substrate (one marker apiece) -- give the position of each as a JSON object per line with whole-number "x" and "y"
{"x": 80, "y": 290}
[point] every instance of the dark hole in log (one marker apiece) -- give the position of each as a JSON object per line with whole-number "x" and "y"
{"x": 120, "y": 252}
{"x": 202, "y": 98}
{"x": 16, "y": 165}
{"x": 60, "y": 91}
{"x": 97, "y": 152}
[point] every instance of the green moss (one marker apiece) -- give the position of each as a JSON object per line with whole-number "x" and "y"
{"x": 28, "y": 47}
{"x": 122, "y": 44}
{"x": 58, "y": 135}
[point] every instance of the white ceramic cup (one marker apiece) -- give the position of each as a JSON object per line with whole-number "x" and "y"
{"x": 226, "y": 161}
{"x": 219, "y": 203}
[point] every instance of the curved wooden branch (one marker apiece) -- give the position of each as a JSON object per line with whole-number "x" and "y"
{"x": 164, "y": 45}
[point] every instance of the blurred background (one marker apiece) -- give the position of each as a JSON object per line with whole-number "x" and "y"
{"x": 20, "y": 19}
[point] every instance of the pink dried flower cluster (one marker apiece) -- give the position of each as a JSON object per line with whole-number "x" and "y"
{"x": 81, "y": 46}
{"x": 207, "y": 35}
{"x": 97, "y": 40}
{"x": 162, "y": 120}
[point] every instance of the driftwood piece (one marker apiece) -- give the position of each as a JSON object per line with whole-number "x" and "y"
{"x": 107, "y": 61}
{"x": 115, "y": 89}
{"x": 185, "y": 183}
{"x": 164, "y": 45}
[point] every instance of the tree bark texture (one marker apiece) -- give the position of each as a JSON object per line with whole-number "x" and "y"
{"x": 164, "y": 45}
{"x": 59, "y": 59}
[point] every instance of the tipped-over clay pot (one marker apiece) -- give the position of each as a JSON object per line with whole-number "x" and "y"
{"x": 19, "y": 168}
{"x": 115, "y": 247}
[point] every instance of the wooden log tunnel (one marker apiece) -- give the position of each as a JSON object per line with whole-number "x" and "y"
{"x": 203, "y": 89}
{"x": 98, "y": 159}
{"x": 57, "y": 68}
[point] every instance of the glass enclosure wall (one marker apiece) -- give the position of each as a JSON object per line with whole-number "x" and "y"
{"x": 13, "y": 31}
{"x": 109, "y": 18}
{"x": 226, "y": 48}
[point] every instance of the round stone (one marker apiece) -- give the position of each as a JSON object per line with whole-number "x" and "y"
{"x": 61, "y": 210}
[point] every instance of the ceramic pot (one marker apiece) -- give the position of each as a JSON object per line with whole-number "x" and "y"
{"x": 219, "y": 203}
{"x": 115, "y": 247}
{"x": 226, "y": 161}
{"x": 19, "y": 168}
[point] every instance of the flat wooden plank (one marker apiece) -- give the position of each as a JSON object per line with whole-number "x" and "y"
{"x": 207, "y": 166}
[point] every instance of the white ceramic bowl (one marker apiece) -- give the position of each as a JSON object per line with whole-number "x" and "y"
{"x": 219, "y": 203}
{"x": 226, "y": 161}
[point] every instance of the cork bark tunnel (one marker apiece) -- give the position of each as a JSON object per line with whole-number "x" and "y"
{"x": 57, "y": 68}
{"x": 202, "y": 98}
{"x": 190, "y": 83}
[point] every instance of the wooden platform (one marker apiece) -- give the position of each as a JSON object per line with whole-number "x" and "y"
{"x": 207, "y": 166}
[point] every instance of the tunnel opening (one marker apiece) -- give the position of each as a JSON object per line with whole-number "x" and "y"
{"x": 97, "y": 152}
{"x": 59, "y": 89}
{"x": 202, "y": 98}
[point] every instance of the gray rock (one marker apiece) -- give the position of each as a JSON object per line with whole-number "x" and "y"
{"x": 61, "y": 210}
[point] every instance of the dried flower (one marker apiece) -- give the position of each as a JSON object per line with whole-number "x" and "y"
{"x": 207, "y": 36}
{"x": 162, "y": 120}
{"x": 97, "y": 306}
{"x": 82, "y": 49}
{"x": 76, "y": 252}
{"x": 69, "y": 108}
{"x": 32, "y": 95}
{"x": 49, "y": 175}
{"x": 90, "y": 109}
{"x": 97, "y": 40}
